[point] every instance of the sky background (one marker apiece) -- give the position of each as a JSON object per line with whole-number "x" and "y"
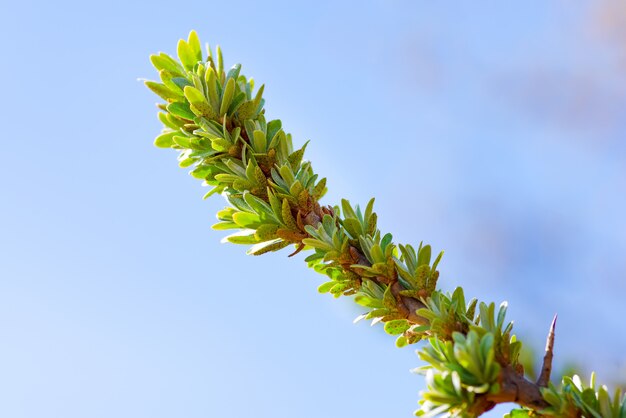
{"x": 492, "y": 130}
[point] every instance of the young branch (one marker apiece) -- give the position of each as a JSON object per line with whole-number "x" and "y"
{"x": 218, "y": 125}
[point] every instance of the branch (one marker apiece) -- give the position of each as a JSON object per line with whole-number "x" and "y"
{"x": 219, "y": 128}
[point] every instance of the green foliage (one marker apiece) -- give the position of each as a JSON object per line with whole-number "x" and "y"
{"x": 415, "y": 270}
{"x": 456, "y": 372}
{"x": 573, "y": 398}
{"x": 216, "y": 122}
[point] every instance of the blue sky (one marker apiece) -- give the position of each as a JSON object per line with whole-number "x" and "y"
{"x": 494, "y": 131}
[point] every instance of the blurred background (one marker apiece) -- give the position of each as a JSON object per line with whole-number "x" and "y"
{"x": 496, "y": 132}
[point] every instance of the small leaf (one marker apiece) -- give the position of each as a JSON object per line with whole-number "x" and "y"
{"x": 194, "y": 44}
{"x": 424, "y": 256}
{"x": 186, "y": 55}
{"x": 220, "y": 226}
{"x": 194, "y": 95}
{"x": 259, "y": 141}
{"x": 165, "y": 62}
{"x": 246, "y": 110}
{"x": 246, "y": 219}
{"x": 288, "y": 218}
{"x": 367, "y": 301}
{"x": 233, "y": 73}
{"x": 320, "y": 189}
{"x": 266, "y": 247}
{"x": 229, "y": 92}
{"x": 199, "y": 105}
{"x": 211, "y": 83}
{"x": 325, "y": 287}
{"x": 401, "y": 341}
{"x": 397, "y": 326}
{"x": 236, "y": 103}
{"x": 162, "y": 91}
{"x": 258, "y": 100}
{"x": 389, "y": 300}
{"x": 181, "y": 82}
{"x": 296, "y": 157}
{"x": 182, "y": 141}
{"x": 267, "y": 232}
{"x": 220, "y": 61}
{"x": 165, "y": 140}
{"x": 242, "y": 239}
{"x": 181, "y": 110}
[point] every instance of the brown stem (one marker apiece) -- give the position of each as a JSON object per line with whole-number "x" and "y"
{"x": 407, "y": 306}
{"x": 516, "y": 388}
{"x": 413, "y": 305}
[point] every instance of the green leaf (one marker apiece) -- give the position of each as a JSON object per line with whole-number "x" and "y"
{"x": 246, "y": 219}
{"x": 273, "y": 127}
{"x": 258, "y": 99}
{"x": 275, "y": 203}
{"x": 199, "y": 105}
{"x": 424, "y": 256}
{"x": 288, "y": 218}
{"x": 182, "y": 141}
{"x": 194, "y": 45}
{"x": 181, "y": 82}
{"x": 242, "y": 239}
{"x": 401, "y": 341}
{"x": 168, "y": 121}
{"x": 267, "y": 232}
{"x": 518, "y": 413}
{"x": 325, "y": 287}
{"x": 397, "y": 326}
{"x": 186, "y": 55}
{"x": 266, "y": 247}
{"x": 315, "y": 243}
{"x": 259, "y": 141}
{"x": 211, "y": 83}
{"x": 389, "y": 300}
{"x": 220, "y": 226}
{"x": 246, "y": 110}
{"x": 165, "y": 140}
{"x": 162, "y": 91}
{"x": 165, "y": 62}
{"x": 220, "y": 61}
{"x": 233, "y": 73}
{"x": 353, "y": 226}
{"x": 296, "y": 157}
{"x": 296, "y": 188}
{"x": 229, "y": 92}
{"x": 386, "y": 240}
{"x": 236, "y": 103}
{"x": 184, "y": 163}
{"x": 320, "y": 189}
{"x": 259, "y": 206}
{"x": 369, "y": 210}
{"x": 181, "y": 110}
{"x": 194, "y": 95}
{"x": 166, "y": 77}
{"x": 368, "y": 302}
{"x": 348, "y": 212}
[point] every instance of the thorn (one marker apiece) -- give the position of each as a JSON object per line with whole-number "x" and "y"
{"x": 546, "y": 367}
